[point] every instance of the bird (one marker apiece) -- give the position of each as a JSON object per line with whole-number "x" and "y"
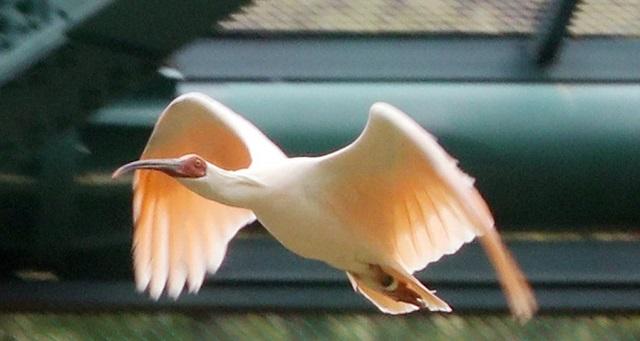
{"x": 380, "y": 209}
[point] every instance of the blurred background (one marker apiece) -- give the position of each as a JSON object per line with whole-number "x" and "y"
{"x": 539, "y": 100}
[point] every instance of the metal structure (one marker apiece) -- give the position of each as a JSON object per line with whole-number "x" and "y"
{"x": 539, "y": 129}
{"x": 568, "y": 276}
{"x": 60, "y": 61}
{"x": 552, "y": 29}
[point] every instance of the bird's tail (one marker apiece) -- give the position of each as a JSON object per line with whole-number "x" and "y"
{"x": 406, "y": 294}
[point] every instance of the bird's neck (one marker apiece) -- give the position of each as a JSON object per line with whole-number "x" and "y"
{"x": 232, "y": 188}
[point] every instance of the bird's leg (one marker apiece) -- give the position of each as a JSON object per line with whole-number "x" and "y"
{"x": 396, "y": 289}
{"x": 405, "y": 294}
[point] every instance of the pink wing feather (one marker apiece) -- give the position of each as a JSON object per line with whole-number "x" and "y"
{"x": 180, "y": 236}
{"x": 408, "y": 199}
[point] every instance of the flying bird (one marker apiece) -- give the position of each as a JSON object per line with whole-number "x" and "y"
{"x": 380, "y": 209}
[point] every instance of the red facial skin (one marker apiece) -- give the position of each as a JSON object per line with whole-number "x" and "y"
{"x": 190, "y": 166}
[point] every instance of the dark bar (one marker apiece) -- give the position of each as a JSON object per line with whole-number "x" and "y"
{"x": 553, "y": 26}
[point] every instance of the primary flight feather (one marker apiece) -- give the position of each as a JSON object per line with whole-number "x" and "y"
{"x": 380, "y": 209}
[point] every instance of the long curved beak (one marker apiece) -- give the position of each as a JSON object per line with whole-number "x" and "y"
{"x": 170, "y": 166}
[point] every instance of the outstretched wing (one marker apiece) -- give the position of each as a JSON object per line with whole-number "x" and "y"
{"x": 408, "y": 199}
{"x": 178, "y": 235}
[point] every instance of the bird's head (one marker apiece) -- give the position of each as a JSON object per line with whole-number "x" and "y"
{"x": 187, "y": 166}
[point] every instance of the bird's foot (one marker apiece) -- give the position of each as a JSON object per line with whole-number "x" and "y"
{"x": 403, "y": 293}
{"x": 399, "y": 290}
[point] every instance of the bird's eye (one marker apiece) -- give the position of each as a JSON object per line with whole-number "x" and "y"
{"x": 198, "y": 163}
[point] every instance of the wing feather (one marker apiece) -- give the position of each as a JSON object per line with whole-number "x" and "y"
{"x": 142, "y": 246}
{"x": 421, "y": 231}
{"x": 178, "y": 235}
{"x": 177, "y": 252}
{"x": 197, "y": 257}
{"x": 432, "y": 206}
{"x": 160, "y": 249}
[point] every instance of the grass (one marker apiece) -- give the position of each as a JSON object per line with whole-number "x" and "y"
{"x": 311, "y": 326}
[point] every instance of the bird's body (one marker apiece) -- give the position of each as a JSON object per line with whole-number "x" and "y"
{"x": 314, "y": 229}
{"x": 380, "y": 209}
{"x": 310, "y": 230}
